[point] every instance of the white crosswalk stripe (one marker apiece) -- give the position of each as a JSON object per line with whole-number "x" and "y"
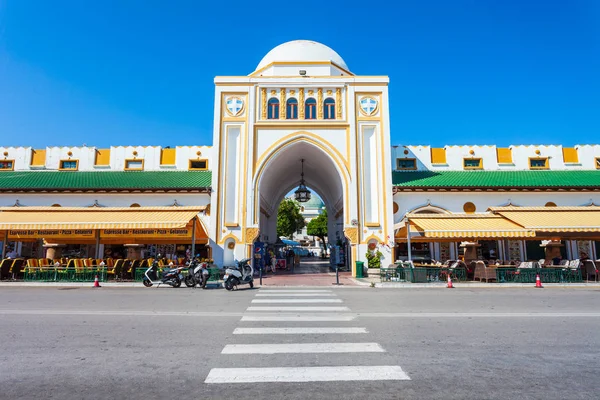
{"x": 282, "y": 348}
{"x": 297, "y": 331}
{"x": 305, "y": 306}
{"x": 307, "y": 374}
{"x": 297, "y": 318}
{"x": 293, "y": 291}
{"x": 296, "y": 301}
{"x": 295, "y": 295}
{"x": 299, "y": 308}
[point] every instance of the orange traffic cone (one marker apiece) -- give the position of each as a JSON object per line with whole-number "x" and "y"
{"x": 538, "y": 281}
{"x": 449, "y": 285}
{"x": 96, "y": 283}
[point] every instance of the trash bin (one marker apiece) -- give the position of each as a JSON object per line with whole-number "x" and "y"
{"x": 359, "y": 269}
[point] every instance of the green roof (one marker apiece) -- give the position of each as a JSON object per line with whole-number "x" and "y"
{"x": 118, "y": 180}
{"x": 496, "y": 179}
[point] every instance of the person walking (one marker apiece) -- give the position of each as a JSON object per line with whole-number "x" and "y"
{"x": 273, "y": 261}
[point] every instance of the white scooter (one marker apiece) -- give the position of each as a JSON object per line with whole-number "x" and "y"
{"x": 240, "y": 275}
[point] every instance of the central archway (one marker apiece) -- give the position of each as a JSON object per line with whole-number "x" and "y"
{"x": 279, "y": 173}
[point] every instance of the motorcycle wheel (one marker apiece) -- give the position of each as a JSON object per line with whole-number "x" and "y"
{"x": 251, "y": 284}
{"x": 176, "y": 282}
{"x": 229, "y": 284}
{"x": 189, "y": 281}
{"x": 147, "y": 283}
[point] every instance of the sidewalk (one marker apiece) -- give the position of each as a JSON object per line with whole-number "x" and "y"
{"x": 376, "y": 282}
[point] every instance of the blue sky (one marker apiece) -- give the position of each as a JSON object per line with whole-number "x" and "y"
{"x": 121, "y": 72}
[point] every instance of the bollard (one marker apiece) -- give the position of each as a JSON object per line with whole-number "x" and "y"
{"x": 337, "y": 276}
{"x": 260, "y": 275}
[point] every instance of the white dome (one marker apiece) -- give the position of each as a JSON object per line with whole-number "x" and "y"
{"x": 302, "y": 50}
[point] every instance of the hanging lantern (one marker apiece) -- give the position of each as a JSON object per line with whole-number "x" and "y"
{"x": 302, "y": 195}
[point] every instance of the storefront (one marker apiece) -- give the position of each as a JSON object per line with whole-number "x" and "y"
{"x": 102, "y": 232}
{"x": 505, "y": 233}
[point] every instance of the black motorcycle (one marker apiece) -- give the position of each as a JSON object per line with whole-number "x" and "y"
{"x": 197, "y": 273}
{"x": 171, "y": 277}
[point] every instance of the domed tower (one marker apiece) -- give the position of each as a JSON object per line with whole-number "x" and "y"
{"x": 302, "y": 102}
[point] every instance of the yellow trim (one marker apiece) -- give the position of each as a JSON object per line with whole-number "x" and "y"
{"x": 219, "y": 168}
{"x": 570, "y": 155}
{"x": 372, "y": 224}
{"x": 372, "y": 237}
{"x": 406, "y": 159}
{"x": 168, "y": 156}
{"x": 438, "y": 155}
{"x": 480, "y": 166}
{"x": 232, "y": 224}
{"x": 38, "y": 158}
{"x": 12, "y": 165}
{"x": 300, "y": 136}
{"x": 293, "y": 123}
{"x": 597, "y": 162}
{"x": 60, "y": 165}
{"x": 230, "y": 236}
{"x": 545, "y": 159}
{"x": 126, "y": 167}
{"x": 504, "y": 155}
{"x": 361, "y": 130}
{"x": 269, "y": 65}
{"x": 198, "y": 160}
{"x": 233, "y": 119}
{"x": 381, "y": 129}
{"x": 102, "y": 157}
{"x": 226, "y": 172}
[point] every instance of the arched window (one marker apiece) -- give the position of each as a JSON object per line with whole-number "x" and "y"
{"x": 291, "y": 109}
{"x": 273, "y": 109}
{"x": 329, "y": 108}
{"x": 310, "y": 108}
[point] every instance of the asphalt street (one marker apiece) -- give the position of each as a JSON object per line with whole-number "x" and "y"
{"x": 299, "y": 343}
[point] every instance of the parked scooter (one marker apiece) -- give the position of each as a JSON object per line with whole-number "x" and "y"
{"x": 197, "y": 273}
{"x": 240, "y": 275}
{"x": 171, "y": 277}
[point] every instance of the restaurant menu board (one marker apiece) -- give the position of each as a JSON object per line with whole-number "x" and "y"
{"x": 514, "y": 249}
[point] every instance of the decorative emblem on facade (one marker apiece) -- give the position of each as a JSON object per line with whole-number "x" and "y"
{"x": 251, "y": 234}
{"x": 234, "y": 106}
{"x": 352, "y": 234}
{"x": 368, "y": 105}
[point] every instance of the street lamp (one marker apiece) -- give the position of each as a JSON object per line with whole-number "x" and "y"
{"x": 302, "y": 195}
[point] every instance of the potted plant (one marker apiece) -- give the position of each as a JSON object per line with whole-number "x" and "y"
{"x": 373, "y": 256}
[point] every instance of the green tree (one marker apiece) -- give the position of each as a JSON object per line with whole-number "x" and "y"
{"x": 318, "y": 227}
{"x": 289, "y": 219}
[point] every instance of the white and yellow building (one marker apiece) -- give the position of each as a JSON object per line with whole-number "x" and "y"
{"x": 303, "y": 102}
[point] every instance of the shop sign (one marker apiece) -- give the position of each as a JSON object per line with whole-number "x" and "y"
{"x": 146, "y": 233}
{"x": 50, "y": 233}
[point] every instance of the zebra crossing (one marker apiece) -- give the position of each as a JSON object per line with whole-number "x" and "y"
{"x": 286, "y": 308}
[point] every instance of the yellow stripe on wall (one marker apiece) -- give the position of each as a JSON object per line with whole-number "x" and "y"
{"x": 102, "y": 157}
{"x": 38, "y": 158}
{"x": 167, "y": 156}
{"x": 570, "y": 155}
{"x": 504, "y": 155}
{"x": 438, "y": 155}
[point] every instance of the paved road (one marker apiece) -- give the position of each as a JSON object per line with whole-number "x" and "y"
{"x": 131, "y": 343}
